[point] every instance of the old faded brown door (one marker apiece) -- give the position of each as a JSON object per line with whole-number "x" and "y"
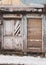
{"x": 34, "y": 34}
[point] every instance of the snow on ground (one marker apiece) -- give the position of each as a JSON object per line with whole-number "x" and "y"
{"x": 7, "y": 59}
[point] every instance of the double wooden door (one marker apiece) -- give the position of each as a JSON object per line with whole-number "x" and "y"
{"x": 12, "y": 35}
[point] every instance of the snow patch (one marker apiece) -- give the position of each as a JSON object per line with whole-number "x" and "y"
{"x": 7, "y": 59}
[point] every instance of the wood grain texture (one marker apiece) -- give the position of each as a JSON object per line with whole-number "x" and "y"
{"x": 10, "y": 2}
{"x": 24, "y": 27}
{"x": 44, "y": 36}
{"x": 34, "y": 29}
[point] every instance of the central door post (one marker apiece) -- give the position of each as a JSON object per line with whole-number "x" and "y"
{"x": 24, "y": 28}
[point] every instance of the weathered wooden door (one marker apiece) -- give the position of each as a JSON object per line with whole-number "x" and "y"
{"x": 12, "y": 35}
{"x": 34, "y": 34}
{"x": 7, "y": 34}
{"x": 18, "y": 39}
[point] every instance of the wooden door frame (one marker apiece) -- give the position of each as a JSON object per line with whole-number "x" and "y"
{"x": 3, "y": 28}
{"x": 41, "y": 17}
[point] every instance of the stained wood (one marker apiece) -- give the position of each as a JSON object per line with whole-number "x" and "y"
{"x": 34, "y": 29}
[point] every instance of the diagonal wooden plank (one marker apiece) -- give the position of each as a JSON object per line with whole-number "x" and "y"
{"x": 16, "y": 29}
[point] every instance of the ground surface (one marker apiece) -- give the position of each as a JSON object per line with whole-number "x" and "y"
{"x": 7, "y": 59}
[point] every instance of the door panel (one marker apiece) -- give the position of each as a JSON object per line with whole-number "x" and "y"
{"x": 18, "y": 43}
{"x": 34, "y": 29}
{"x": 8, "y": 43}
{"x": 8, "y": 27}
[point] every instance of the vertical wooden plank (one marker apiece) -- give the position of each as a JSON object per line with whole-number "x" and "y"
{"x": 44, "y": 36}
{"x": 42, "y": 33}
{"x": 1, "y": 31}
{"x": 0, "y": 37}
{"x": 24, "y": 27}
